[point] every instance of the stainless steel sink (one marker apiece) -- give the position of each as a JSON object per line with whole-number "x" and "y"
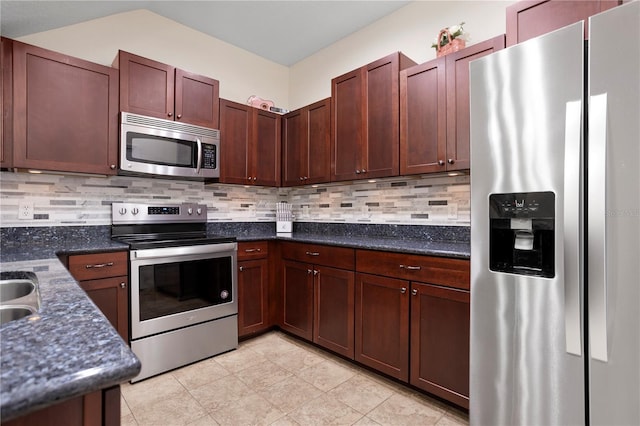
{"x": 15, "y": 289}
{"x": 19, "y": 295}
{"x": 13, "y": 312}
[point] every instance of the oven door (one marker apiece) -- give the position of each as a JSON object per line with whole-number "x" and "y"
{"x": 176, "y": 287}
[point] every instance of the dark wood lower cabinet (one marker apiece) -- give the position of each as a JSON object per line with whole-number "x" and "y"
{"x": 333, "y": 310}
{"x": 99, "y": 408}
{"x": 440, "y": 341}
{"x": 298, "y": 299}
{"x": 382, "y": 324}
{"x": 111, "y": 296}
{"x": 253, "y": 301}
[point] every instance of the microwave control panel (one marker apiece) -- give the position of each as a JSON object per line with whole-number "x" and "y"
{"x": 209, "y": 156}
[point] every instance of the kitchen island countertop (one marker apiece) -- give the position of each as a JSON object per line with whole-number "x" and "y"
{"x": 68, "y": 348}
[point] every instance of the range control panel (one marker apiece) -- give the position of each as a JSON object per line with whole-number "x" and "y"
{"x": 133, "y": 213}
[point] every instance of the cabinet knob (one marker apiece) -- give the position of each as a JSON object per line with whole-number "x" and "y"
{"x": 301, "y": 178}
{"x": 170, "y": 114}
{"x": 357, "y": 172}
{"x": 441, "y": 162}
{"x": 249, "y": 178}
{"x": 315, "y": 272}
{"x": 254, "y": 178}
{"x": 309, "y": 271}
{"x": 306, "y": 178}
{"x": 414, "y": 292}
{"x": 403, "y": 290}
{"x": 451, "y": 161}
{"x": 123, "y": 285}
{"x": 364, "y": 171}
{"x": 112, "y": 167}
{"x": 179, "y": 116}
{"x": 241, "y": 268}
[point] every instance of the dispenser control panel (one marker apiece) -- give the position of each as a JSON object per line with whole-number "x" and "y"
{"x": 522, "y": 205}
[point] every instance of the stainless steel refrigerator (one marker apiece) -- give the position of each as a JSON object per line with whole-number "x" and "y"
{"x": 555, "y": 227}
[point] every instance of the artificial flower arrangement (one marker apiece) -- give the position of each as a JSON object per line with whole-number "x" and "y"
{"x": 450, "y": 39}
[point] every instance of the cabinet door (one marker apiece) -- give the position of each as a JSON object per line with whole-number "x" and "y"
{"x": 382, "y": 324}
{"x": 65, "y": 112}
{"x": 6, "y": 102}
{"x": 253, "y": 304}
{"x": 294, "y": 148}
{"x": 423, "y": 118}
{"x": 197, "y": 99}
{"x": 531, "y": 18}
{"x": 235, "y": 136}
{"x": 298, "y": 299}
{"x": 111, "y": 296}
{"x": 265, "y": 154}
{"x": 318, "y": 159}
{"x": 146, "y": 86}
{"x": 458, "y": 117}
{"x": 334, "y": 310}
{"x": 440, "y": 341}
{"x": 381, "y": 139}
{"x": 347, "y": 112}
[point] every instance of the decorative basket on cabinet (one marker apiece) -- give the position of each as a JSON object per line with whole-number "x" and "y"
{"x": 450, "y": 40}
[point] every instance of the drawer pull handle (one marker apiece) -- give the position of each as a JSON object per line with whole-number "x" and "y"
{"x": 403, "y": 290}
{"x": 251, "y": 250}
{"x": 313, "y": 253}
{"x": 99, "y": 265}
{"x": 410, "y": 268}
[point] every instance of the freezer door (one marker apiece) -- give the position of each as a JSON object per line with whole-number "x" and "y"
{"x": 527, "y": 356}
{"x": 614, "y": 216}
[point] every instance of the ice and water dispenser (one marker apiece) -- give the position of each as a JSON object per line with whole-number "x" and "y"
{"x": 522, "y": 233}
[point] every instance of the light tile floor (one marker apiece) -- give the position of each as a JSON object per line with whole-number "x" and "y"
{"x": 277, "y": 380}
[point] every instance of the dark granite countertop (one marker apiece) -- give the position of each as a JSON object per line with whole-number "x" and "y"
{"x": 68, "y": 348}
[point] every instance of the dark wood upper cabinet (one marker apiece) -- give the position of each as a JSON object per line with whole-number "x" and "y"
{"x": 64, "y": 114}
{"x": 306, "y": 145}
{"x": 151, "y": 88}
{"x": 249, "y": 145}
{"x": 6, "y": 100}
{"x": 531, "y": 18}
{"x": 365, "y": 120}
{"x": 434, "y": 111}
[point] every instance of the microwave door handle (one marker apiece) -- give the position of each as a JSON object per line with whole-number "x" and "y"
{"x": 199, "y": 142}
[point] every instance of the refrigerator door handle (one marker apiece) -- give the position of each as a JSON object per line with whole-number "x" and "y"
{"x": 597, "y": 226}
{"x": 572, "y": 227}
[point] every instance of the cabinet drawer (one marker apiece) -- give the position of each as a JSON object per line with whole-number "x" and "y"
{"x": 429, "y": 269}
{"x": 337, "y": 257}
{"x": 98, "y": 265}
{"x": 253, "y": 250}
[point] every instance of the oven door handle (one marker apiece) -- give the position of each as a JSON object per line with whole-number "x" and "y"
{"x": 183, "y": 250}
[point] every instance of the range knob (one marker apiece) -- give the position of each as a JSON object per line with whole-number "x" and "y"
{"x": 224, "y": 294}
{"x": 122, "y": 211}
{"x": 189, "y": 211}
{"x": 199, "y": 211}
{"x": 135, "y": 211}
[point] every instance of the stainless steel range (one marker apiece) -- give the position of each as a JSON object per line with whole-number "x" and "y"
{"x": 183, "y": 285}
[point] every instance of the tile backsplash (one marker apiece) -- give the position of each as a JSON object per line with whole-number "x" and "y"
{"x": 60, "y": 200}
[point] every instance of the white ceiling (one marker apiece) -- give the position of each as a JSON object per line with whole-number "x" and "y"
{"x": 284, "y": 32}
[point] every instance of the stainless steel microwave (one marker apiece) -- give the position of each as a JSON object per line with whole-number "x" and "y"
{"x": 165, "y": 148}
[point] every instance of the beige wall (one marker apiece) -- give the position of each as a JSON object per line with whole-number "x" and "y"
{"x": 242, "y": 74}
{"x": 410, "y": 30}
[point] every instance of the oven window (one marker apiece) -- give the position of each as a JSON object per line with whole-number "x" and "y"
{"x": 159, "y": 150}
{"x": 170, "y": 288}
